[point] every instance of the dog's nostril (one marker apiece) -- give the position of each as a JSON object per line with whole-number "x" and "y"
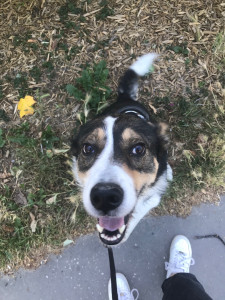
{"x": 106, "y": 196}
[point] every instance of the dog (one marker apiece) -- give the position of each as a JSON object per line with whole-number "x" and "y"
{"x": 120, "y": 160}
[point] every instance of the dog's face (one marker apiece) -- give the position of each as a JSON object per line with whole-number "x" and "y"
{"x": 117, "y": 160}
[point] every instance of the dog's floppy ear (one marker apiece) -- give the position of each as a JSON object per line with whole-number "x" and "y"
{"x": 74, "y": 147}
{"x": 162, "y": 129}
{"x": 161, "y": 146}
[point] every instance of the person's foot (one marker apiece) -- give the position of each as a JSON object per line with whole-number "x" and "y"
{"x": 123, "y": 289}
{"x": 180, "y": 256}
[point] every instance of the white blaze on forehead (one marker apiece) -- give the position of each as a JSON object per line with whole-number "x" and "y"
{"x": 103, "y": 161}
{"x": 107, "y": 152}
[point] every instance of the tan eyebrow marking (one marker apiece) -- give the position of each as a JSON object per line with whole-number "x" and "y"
{"x": 98, "y": 135}
{"x": 141, "y": 179}
{"x": 129, "y": 133}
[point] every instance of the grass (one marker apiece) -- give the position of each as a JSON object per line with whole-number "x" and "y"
{"x": 105, "y": 11}
{"x": 2, "y": 141}
{"x": 179, "y": 49}
{"x": 91, "y": 89}
{"x": 43, "y": 173}
{"x": 65, "y": 62}
{"x": 219, "y": 43}
{"x": 202, "y": 148}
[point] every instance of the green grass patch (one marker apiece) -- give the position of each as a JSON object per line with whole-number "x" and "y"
{"x": 36, "y": 73}
{"x": 91, "y": 89}
{"x": 4, "y": 116}
{"x": 70, "y": 8}
{"x": 1, "y": 91}
{"x": 70, "y": 52}
{"x": 105, "y": 11}
{"x": 21, "y": 85}
{"x": 179, "y": 49}
{"x": 41, "y": 173}
{"x": 22, "y": 41}
{"x": 2, "y": 141}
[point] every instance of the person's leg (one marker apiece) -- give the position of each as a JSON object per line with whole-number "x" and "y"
{"x": 180, "y": 284}
{"x": 184, "y": 286}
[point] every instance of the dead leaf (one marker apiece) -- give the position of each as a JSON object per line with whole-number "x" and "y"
{"x": 19, "y": 198}
{"x": 67, "y": 242}
{"x": 203, "y": 191}
{"x": 33, "y": 224}
{"x": 5, "y": 175}
{"x": 32, "y": 41}
{"x": 51, "y": 200}
{"x": 74, "y": 198}
{"x": 202, "y": 138}
{"x": 24, "y": 106}
{"x": 18, "y": 172}
{"x": 7, "y": 228}
{"x": 49, "y": 153}
{"x": 153, "y": 108}
{"x": 60, "y": 151}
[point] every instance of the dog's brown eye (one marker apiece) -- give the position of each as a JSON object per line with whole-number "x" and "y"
{"x": 88, "y": 149}
{"x": 138, "y": 149}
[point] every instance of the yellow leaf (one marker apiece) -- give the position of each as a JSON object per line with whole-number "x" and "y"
{"x": 24, "y": 106}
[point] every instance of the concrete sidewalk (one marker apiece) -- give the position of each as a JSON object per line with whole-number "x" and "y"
{"x": 81, "y": 272}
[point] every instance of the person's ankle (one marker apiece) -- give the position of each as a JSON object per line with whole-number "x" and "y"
{"x": 172, "y": 274}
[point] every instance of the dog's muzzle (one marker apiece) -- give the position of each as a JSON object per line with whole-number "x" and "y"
{"x": 106, "y": 197}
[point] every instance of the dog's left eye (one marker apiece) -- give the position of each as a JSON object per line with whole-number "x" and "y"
{"x": 88, "y": 149}
{"x": 138, "y": 150}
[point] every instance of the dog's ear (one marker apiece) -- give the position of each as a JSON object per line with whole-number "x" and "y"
{"x": 162, "y": 129}
{"x": 74, "y": 147}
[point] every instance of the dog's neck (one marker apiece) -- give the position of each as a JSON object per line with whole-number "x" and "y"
{"x": 140, "y": 113}
{"x": 135, "y": 113}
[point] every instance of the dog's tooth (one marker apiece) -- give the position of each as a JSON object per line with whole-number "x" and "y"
{"x": 118, "y": 236}
{"x": 99, "y": 228}
{"x": 105, "y": 237}
{"x": 122, "y": 228}
{"x": 114, "y": 238}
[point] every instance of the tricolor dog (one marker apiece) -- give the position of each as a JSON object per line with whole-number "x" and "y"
{"x": 120, "y": 160}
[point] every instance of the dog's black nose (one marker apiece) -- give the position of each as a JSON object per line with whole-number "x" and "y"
{"x": 106, "y": 196}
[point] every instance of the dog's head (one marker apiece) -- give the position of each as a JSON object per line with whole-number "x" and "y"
{"x": 120, "y": 160}
{"x": 116, "y": 162}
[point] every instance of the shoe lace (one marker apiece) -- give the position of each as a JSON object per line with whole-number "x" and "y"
{"x": 137, "y": 293}
{"x": 180, "y": 264}
{"x": 128, "y": 296}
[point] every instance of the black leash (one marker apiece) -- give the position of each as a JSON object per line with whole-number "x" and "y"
{"x": 112, "y": 274}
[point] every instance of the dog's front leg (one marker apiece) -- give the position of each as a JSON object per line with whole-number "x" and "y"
{"x": 141, "y": 209}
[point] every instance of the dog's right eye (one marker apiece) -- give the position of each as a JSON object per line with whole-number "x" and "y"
{"x": 88, "y": 149}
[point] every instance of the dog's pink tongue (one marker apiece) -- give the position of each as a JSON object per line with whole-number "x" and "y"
{"x": 111, "y": 223}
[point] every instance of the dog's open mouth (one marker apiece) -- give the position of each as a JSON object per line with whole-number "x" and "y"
{"x": 111, "y": 229}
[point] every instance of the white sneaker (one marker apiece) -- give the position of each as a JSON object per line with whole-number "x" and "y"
{"x": 123, "y": 288}
{"x": 180, "y": 256}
